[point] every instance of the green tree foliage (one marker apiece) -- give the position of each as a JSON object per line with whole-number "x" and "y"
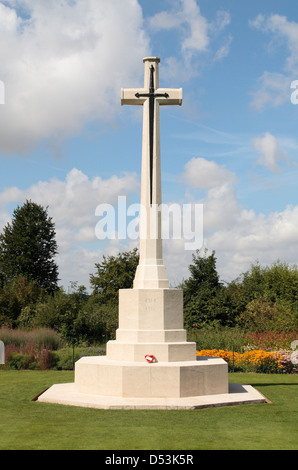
{"x": 61, "y": 312}
{"x": 28, "y": 248}
{"x": 17, "y": 296}
{"x": 262, "y": 316}
{"x": 99, "y": 320}
{"x": 270, "y": 297}
{"x": 278, "y": 281}
{"x": 114, "y": 273}
{"x": 261, "y": 299}
{"x": 201, "y": 291}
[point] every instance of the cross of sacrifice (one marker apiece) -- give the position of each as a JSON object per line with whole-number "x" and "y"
{"x": 151, "y": 97}
{"x": 150, "y": 272}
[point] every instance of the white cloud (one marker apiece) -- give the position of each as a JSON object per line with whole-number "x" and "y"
{"x": 289, "y": 31}
{"x": 282, "y": 29}
{"x": 239, "y": 236}
{"x": 275, "y": 87}
{"x": 221, "y": 208}
{"x": 224, "y": 50}
{"x": 256, "y": 237}
{"x": 9, "y": 21}
{"x": 273, "y": 90}
{"x": 63, "y": 65}
{"x": 270, "y": 152}
{"x": 196, "y": 34}
{"x": 187, "y": 17}
{"x": 72, "y": 203}
{"x": 202, "y": 173}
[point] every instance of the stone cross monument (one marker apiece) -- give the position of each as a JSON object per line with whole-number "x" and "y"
{"x": 150, "y": 364}
{"x": 150, "y": 314}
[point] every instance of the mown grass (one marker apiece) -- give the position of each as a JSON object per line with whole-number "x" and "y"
{"x": 30, "y": 425}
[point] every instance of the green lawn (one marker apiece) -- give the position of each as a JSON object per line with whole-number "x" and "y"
{"x": 25, "y": 424}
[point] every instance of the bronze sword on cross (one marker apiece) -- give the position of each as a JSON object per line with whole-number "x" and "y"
{"x": 151, "y": 130}
{"x": 151, "y": 95}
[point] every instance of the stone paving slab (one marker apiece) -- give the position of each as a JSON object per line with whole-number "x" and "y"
{"x": 65, "y": 394}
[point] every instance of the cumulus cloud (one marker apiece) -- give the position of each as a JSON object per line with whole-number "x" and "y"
{"x": 239, "y": 236}
{"x": 256, "y": 237}
{"x": 72, "y": 203}
{"x": 270, "y": 152}
{"x": 202, "y": 173}
{"x": 63, "y": 64}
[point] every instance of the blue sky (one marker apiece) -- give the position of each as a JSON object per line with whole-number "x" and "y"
{"x": 66, "y": 142}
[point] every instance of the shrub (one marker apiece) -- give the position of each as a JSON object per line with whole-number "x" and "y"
{"x": 214, "y": 338}
{"x": 240, "y": 340}
{"x": 46, "y": 359}
{"x": 261, "y": 315}
{"x": 21, "y": 361}
{"x": 29, "y": 349}
{"x": 65, "y": 358}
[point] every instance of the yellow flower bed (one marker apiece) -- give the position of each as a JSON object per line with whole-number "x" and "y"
{"x": 254, "y": 361}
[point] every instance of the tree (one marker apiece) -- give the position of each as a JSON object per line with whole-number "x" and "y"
{"x": 114, "y": 273}
{"x": 28, "y": 247}
{"x": 270, "y": 297}
{"x": 15, "y": 297}
{"x": 271, "y": 283}
{"x": 201, "y": 291}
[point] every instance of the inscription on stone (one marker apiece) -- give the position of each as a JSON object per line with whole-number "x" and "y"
{"x": 150, "y": 303}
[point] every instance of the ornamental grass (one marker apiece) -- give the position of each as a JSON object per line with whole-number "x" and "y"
{"x": 258, "y": 361}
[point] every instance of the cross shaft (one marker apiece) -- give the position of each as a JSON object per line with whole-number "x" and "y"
{"x": 151, "y": 95}
{"x": 151, "y": 272}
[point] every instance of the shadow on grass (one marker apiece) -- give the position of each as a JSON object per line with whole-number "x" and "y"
{"x": 262, "y": 384}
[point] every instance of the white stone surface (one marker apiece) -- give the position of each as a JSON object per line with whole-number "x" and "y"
{"x": 101, "y": 376}
{"x": 151, "y": 272}
{"x": 163, "y": 352}
{"x": 151, "y": 322}
{"x": 65, "y": 394}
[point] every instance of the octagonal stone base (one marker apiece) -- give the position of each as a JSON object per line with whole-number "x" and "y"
{"x": 101, "y": 376}
{"x": 66, "y": 394}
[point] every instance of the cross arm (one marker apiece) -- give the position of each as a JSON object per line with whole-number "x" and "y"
{"x": 174, "y": 96}
{"x": 128, "y": 96}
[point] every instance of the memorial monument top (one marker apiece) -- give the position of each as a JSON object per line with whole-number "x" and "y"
{"x": 151, "y": 272}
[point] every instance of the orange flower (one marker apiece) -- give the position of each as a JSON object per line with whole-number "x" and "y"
{"x": 259, "y": 360}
